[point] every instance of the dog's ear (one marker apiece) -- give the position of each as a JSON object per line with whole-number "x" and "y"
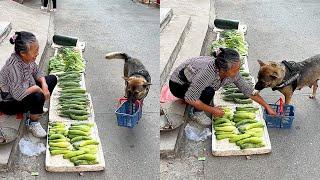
{"x": 146, "y": 84}
{"x": 274, "y": 75}
{"x": 125, "y": 78}
{"x": 261, "y": 63}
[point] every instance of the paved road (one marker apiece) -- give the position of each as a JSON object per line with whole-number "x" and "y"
{"x": 277, "y": 30}
{"x": 105, "y": 26}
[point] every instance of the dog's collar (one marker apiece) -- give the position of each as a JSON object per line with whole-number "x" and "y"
{"x": 291, "y": 76}
{"x": 142, "y": 73}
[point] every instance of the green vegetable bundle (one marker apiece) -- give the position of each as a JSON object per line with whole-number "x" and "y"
{"x": 73, "y": 60}
{"x": 56, "y": 64}
{"x": 231, "y": 39}
{"x": 66, "y": 60}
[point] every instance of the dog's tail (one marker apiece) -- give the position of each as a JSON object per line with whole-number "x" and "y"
{"x": 117, "y": 55}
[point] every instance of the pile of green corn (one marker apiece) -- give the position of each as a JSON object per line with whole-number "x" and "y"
{"x": 240, "y": 127}
{"x": 74, "y": 143}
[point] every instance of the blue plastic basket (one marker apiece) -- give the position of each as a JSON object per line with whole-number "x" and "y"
{"x": 129, "y": 114}
{"x": 283, "y": 120}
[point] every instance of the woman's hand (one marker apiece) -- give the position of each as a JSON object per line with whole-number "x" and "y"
{"x": 44, "y": 86}
{"x": 217, "y": 112}
{"x": 270, "y": 111}
{"x": 260, "y": 100}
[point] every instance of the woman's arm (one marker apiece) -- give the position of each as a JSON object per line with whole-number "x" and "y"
{"x": 199, "y": 105}
{"x": 246, "y": 89}
{"x": 44, "y": 87}
{"x": 257, "y": 98}
{"x": 43, "y": 83}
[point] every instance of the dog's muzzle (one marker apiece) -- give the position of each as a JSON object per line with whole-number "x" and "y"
{"x": 259, "y": 86}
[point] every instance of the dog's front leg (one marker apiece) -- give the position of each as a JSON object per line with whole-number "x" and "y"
{"x": 287, "y": 92}
{"x": 314, "y": 90}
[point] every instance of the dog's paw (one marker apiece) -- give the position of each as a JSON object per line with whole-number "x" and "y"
{"x": 311, "y": 96}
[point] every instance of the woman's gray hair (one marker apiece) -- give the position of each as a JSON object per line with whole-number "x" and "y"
{"x": 22, "y": 41}
{"x": 225, "y": 58}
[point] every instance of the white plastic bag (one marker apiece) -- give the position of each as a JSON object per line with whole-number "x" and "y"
{"x": 30, "y": 148}
{"x": 194, "y": 134}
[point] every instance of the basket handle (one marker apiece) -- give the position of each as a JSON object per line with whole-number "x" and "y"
{"x": 280, "y": 105}
{"x": 123, "y": 99}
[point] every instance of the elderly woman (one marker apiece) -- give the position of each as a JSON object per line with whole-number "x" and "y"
{"x": 23, "y": 86}
{"x": 197, "y": 79}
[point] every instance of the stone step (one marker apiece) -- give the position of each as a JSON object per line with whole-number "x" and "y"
{"x": 7, "y": 151}
{"x": 5, "y": 29}
{"x": 170, "y": 142}
{"x": 193, "y": 43}
{"x": 165, "y": 16}
{"x": 26, "y": 19}
{"x": 171, "y": 40}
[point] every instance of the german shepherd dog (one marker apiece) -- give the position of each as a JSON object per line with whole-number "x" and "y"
{"x": 137, "y": 78}
{"x": 286, "y": 77}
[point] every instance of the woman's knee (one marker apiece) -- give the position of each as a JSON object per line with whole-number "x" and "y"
{"x": 52, "y": 79}
{"x": 207, "y": 95}
{"x": 173, "y": 89}
{"x": 209, "y": 91}
{"x": 37, "y": 97}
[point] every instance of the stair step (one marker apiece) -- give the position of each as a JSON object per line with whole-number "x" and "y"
{"x": 171, "y": 40}
{"x": 170, "y": 142}
{"x": 192, "y": 45}
{"x": 165, "y": 16}
{"x": 5, "y": 29}
{"x": 8, "y": 150}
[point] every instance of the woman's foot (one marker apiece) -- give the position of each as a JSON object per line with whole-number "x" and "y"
{"x": 43, "y": 8}
{"x": 53, "y": 10}
{"x": 36, "y": 129}
{"x": 45, "y": 110}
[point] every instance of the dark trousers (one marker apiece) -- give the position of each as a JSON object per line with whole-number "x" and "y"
{"x": 45, "y": 3}
{"x": 179, "y": 91}
{"x": 33, "y": 102}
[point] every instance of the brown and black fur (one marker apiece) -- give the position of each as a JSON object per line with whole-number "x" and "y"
{"x": 272, "y": 74}
{"x": 136, "y": 76}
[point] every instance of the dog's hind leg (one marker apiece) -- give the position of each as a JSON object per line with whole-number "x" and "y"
{"x": 314, "y": 89}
